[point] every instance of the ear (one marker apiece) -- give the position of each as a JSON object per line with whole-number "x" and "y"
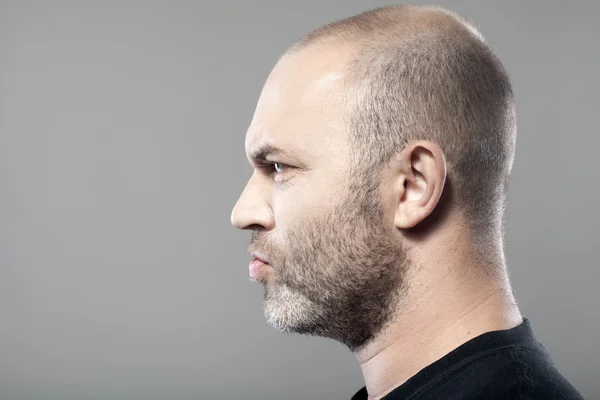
{"x": 421, "y": 172}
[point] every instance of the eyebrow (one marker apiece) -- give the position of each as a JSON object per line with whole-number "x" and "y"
{"x": 262, "y": 154}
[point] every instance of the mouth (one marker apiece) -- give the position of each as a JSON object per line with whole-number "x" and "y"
{"x": 257, "y": 269}
{"x": 256, "y": 256}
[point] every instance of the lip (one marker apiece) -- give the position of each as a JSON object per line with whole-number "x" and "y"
{"x": 258, "y": 257}
{"x": 258, "y": 270}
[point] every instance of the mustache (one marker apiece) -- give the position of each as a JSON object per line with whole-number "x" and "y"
{"x": 260, "y": 245}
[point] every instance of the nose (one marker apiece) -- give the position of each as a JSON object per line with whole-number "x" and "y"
{"x": 252, "y": 210}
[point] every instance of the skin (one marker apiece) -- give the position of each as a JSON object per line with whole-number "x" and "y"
{"x": 384, "y": 262}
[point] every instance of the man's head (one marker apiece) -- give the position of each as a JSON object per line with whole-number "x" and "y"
{"x": 390, "y": 122}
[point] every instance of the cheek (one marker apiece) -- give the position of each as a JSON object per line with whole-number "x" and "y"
{"x": 306, "y": 196}
{"x": 307, "y": 199}
{"x": 295, "y": 214}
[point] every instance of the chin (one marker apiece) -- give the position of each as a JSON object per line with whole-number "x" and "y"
{"x": 288, "y": 311}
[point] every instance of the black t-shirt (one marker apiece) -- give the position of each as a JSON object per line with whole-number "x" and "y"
{"x": 505, "y": 364}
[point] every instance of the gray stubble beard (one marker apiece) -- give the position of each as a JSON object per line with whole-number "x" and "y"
{"x": 344, "y": 278}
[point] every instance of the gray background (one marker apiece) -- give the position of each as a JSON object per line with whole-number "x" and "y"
{"x": 122, "y": 131}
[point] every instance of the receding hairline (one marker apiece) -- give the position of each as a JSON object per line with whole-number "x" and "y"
{"x": 396, "y": 22}
{"x": 390, "y": 27}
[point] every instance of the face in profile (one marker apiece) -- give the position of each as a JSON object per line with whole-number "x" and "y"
{"x": 336, "y": 266}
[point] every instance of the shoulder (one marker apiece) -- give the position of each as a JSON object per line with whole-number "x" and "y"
{"x": 511, "y": 372}
{"x": 539, "y": 378}
{"x": 521, "y": 372}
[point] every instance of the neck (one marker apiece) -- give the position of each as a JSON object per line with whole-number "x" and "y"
{"x": 440, "y": 312}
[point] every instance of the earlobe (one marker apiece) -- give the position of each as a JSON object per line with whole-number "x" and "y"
{"x": 424, "y": 176}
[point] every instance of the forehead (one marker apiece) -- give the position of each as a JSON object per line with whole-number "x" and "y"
{"x": 301, "y": 106}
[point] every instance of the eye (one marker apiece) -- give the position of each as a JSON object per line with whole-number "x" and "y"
{"x": 275, "y": 169}
{"x": 278, "y": 166}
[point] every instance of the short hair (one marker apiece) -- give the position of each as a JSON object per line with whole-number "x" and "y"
{"x": 425, "y": 73}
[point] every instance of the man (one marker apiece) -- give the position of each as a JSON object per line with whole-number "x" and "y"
{"x": 382, "y": 146}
